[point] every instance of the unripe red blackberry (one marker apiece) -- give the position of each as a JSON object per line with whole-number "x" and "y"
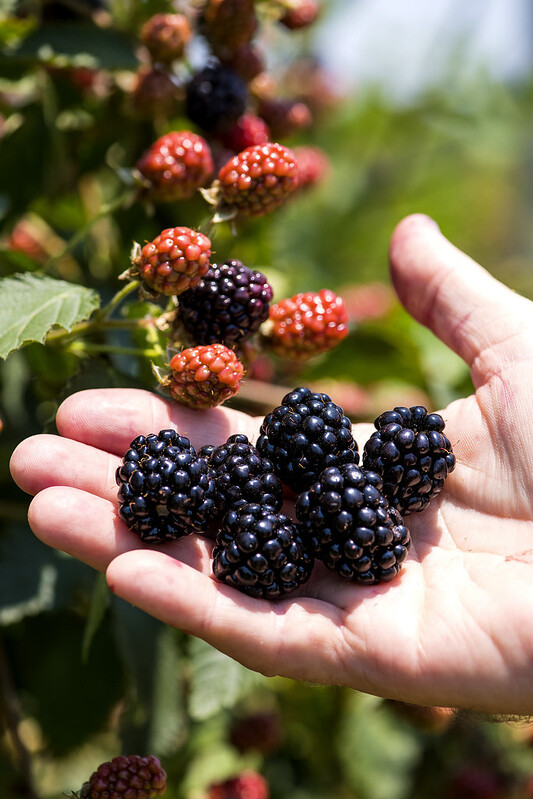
{"x": 247, "y": 785}
{"x": 246, "y": 61}
{"x": 228, "y": 24}
{"x": 260, "y": 732}
{"x": 313, "y": 166}
{"x": 215, "y": 97}
{"x": 165, "y": 490}
{"x": 306, "y": 324}
{"x": 304, "y": 435}
{"x": 258, "y": 179}
{"x": 165, "y": 36}
{"x": 412, "y": 454}
{"x": 205, "y": 376}
{"x": 284, "y": 117}
{"x": 261, "y": 553}
{"x": 299, "y": 14}
{"x": 247, "y": 131}
{"x": 227, "y": 306}
{"x": 348, "y": 523}
{"x": 173, "y": 262}
{"x": 176, "y": 165}
{"x": 243, "y": 475}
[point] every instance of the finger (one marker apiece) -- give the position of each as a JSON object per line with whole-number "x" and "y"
{"x": 444, "y": 289}
{"x": 45, "y": 460}
{"x": 110, "y": 419}
{"x": 273, "y": 638}
{"x": 88, "y": 528}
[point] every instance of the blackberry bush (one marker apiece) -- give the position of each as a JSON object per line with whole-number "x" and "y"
{"x": 411, "y": 452}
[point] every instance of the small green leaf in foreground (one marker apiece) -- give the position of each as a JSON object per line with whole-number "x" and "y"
{"x": 31, "y": 304}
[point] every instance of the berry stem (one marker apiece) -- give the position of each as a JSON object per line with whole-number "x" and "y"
{"x": 83, "y": 347}
{"x": 107, "y": 310}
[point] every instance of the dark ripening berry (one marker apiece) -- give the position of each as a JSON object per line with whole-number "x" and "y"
{"x": 228, "y": 305}
{"x": 228, "y": 25}
{"x": 205, "y": 376}
{"x": 215, "y": 98}
{"x": 165, "y": 36}
{"x": 258, "y": 179}
{"x": 243, "y": 476}
{"x": 176, "y": 165}
{"x": 412, "y": 454}
{"x": 174, "y": 261}
{"x": 165, "y": 490}
{"x": 304, "y": 435}
{"x": 261, "y": 553}
{"x": 306, "y": 325}
{"x": 260, "y": 732}
{"x": 348, "y": 523}
{"x": 128, "y": 776}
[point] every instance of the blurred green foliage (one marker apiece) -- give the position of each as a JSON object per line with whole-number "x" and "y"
{"x": 84, "y": 676}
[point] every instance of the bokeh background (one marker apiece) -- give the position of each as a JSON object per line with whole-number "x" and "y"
{"x": 419, "y": 107}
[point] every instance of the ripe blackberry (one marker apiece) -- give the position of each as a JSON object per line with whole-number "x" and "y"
{"x": 215, "y": 98}
{"x": 126, "y": 777}
{"x": 228, "y": 305}
{"x": 261, "y": 552}
{"x": 165, "y": 36}
{"x": 257, "y": 180}
{"x": 243, "y": 476}
{"x": 412, "y": 454}
{"x": 306, "y": 325}
{"x": 304, "y": 435}
{"x": 165, "y": 490}
{"x": 205, "y": 376}
{"x": 173, "y": 262}
{"x": 350, "y": 526}
{"x": 176, "y": 165}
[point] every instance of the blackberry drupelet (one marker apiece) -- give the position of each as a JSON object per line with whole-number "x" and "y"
{"x": 261, "y": 553}
{"x": 244, "y": 476}
{"x": 215, "y": 98}
{"x": 349, "y": 525}
{"x": 165, "y": 490}
{"x": 411, "y": 452}
{"x": 228, "y": 305}
{"x": 304, "y": 435}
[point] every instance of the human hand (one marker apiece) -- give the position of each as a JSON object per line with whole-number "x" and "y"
{"x": 454, "y": 628}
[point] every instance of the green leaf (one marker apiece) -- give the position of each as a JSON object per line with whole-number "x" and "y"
{"x": 32, "y": 304}
{"x": 97, "y": 608}
{"x": 217, "y": 681}
{"x": 167, "y": 722}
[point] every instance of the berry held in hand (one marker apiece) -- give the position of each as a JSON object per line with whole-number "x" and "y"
{"x": 350, "y": 526}
{"x": 412, "y": 454}
{"x": 165, "y": 490}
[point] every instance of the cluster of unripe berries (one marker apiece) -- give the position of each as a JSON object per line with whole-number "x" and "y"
{"x": 349, "y": 516}
{"x": 222, "y": 307}
{"x": 232, "y": 151}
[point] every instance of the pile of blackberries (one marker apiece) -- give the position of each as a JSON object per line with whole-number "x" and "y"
{"x": 349, "y": 516}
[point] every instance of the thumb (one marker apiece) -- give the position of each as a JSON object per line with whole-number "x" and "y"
{"x": 468, "y": 309}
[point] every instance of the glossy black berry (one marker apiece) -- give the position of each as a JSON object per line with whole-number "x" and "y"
{"x": 165, "y": 490}
{"x": 348, "y": 523}
{"x": 215, "y": 98}
{"x": 411, "y": 452}
{"x": 244, "y": 476}
{"x": 261, "y": 553}
{"x": 228, "y": 305}
{"x": 304, "y": 435}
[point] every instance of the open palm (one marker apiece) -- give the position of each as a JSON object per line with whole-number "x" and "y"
{"x": 454, "y": 628}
